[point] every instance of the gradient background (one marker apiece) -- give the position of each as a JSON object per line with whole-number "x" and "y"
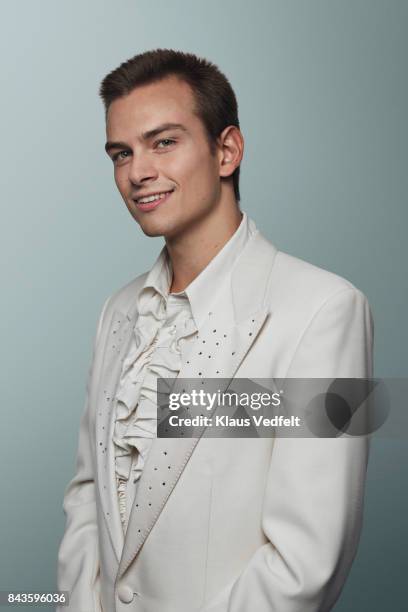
{"x": 322, "y": 92}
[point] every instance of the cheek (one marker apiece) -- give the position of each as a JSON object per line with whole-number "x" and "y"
{"x": 120, "y": 180}
{"x": 195, "y": 167}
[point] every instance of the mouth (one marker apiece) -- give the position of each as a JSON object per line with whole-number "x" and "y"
{"x": 153, "y": 201}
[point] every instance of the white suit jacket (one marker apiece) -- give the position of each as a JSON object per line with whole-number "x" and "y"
{"x": 226, "y": 525}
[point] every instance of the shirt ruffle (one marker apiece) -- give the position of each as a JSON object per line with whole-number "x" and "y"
{"x": 154, "y": 352}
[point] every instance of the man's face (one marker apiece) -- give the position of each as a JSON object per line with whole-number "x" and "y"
{"x": 151, "y": 158}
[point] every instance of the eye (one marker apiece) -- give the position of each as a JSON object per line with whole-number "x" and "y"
{"x": 166, "y": 142}
{"x": 120, "y": 155}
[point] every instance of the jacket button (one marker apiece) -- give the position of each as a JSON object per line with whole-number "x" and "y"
{"x": 125, "y": 593}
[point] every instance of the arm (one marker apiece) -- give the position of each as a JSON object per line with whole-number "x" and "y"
{"x": 313, "y": 504}
{"x": 78, "y": 556}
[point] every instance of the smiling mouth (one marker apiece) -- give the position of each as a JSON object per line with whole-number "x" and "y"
{"x": 151, "y": 202}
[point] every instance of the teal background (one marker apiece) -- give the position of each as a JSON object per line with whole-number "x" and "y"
{"x": 322, "y": 93}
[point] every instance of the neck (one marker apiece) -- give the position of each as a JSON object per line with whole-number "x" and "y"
{"x": 192, "y": 251}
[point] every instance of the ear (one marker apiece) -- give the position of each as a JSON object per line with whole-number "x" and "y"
{"x": 231, "y": 150}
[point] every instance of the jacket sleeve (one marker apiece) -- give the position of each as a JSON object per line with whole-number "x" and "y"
{"x": 78, "y": 556}
{"x": 312, "y": 511}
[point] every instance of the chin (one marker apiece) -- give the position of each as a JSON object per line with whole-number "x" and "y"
{"x": 168, "y": 226}
{"x": 151, "y": 231}
{"x": 154, "y": 227}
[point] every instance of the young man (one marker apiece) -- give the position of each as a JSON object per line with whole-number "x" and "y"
{"x": 216, "y": 525}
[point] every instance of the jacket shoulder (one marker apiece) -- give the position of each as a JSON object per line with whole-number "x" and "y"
{"x": 298, "y": 282}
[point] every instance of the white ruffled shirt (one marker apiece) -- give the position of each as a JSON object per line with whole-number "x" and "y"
{"x": 165, "y": 321}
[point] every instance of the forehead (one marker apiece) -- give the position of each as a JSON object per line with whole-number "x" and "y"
{"x": 170, "y": 100}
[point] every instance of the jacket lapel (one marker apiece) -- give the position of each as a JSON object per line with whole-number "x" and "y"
{"x": 216, "y": 352}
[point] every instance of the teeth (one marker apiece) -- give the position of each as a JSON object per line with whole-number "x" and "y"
{"x": 156, "y": 196}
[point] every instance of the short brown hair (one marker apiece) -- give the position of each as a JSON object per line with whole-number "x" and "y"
{"x": 215, "y": 100}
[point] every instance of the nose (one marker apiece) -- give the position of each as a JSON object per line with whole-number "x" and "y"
{"x": 141, "y": 169}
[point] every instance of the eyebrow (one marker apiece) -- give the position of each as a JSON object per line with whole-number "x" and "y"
{"x": 147, "y": 135}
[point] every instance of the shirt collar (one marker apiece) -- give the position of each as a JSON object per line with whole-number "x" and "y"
{"x": 201, "y": 292}
{"x": 156, "y": 287}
